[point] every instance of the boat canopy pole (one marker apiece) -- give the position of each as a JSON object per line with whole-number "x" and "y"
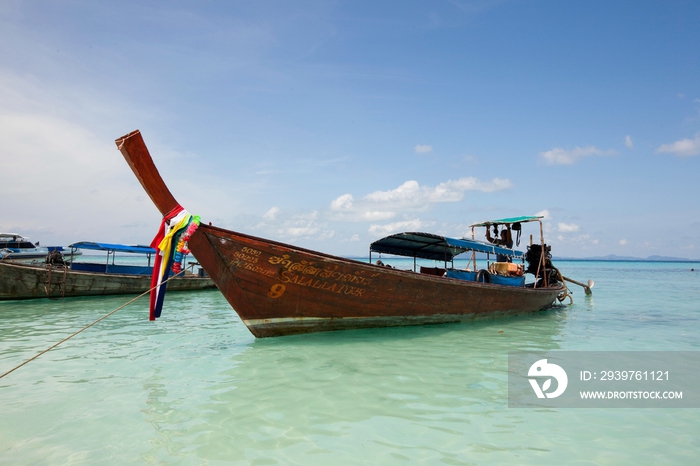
{"x": 542, "y": 262}
{"x": 473, "y": 252}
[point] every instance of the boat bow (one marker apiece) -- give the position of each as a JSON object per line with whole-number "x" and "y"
{"x": 134, "y": 150}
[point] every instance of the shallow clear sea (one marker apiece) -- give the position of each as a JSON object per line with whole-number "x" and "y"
{"x": 196, "y": 387}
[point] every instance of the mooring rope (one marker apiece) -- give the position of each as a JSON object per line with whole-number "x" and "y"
{"x": 90, "y": 325}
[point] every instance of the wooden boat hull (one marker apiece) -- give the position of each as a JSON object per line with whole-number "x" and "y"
{"x": 278, "y": 289}
{"x": 21, "y": 281}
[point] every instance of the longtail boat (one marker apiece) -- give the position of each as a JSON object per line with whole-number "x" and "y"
{"x": 60, "y": 276}
{"x": 279, "y": 289}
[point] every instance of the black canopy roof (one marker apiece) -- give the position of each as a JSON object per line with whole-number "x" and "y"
{"x": 436, "y": 247}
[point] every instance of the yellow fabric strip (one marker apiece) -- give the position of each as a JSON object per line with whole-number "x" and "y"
{"x": 166, "y": 244}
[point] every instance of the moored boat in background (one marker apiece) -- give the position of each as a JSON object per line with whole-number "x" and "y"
{"x": 280, "y": 289}
{"x": 60, "y": 276}
{"x": 18, "y": 247}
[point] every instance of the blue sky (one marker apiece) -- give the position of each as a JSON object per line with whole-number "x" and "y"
{"x": 330, "y": 124}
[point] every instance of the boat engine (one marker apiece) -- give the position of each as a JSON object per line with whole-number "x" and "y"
{"x": 533, "y": 256}
{"x": 55, "y": 258}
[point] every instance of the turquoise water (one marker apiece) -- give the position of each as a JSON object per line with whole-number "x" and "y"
{"x": 196, "y": 388}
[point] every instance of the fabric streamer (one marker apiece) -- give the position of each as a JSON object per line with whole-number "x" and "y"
{"x": 175, "y": 230}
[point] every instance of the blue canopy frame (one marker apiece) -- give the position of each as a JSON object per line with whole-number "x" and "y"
{"x": 111, "y": 248}
{"x": 443, "y": 248}
{"x": 517, "y": 220}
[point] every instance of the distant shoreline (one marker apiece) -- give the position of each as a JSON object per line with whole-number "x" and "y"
{"x": 570, "y": 259}
{"x": 573, "y": 259}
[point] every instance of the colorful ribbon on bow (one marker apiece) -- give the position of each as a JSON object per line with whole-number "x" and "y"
{"x": 175, "y": 230}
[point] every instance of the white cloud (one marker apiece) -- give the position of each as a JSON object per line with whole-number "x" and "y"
{"x": 543, "y": 213}
{"x": 559, "y": 156}
{"x": 343, "y": 202}
{"x": 582, "y": 240}
{"x": 326, "y": 234}
{"x": 682, "y": 148}
{"x": 423, "y": 149}
{"x": 300, "y": 231}
{"x": 64, "y": 183}
{"x": 411, "y": 193}
{"x": 305, "y": 225}
{"x": 353, "y": 239}
{"x": 383, "y": 205}
{"x": 567, "y": 227}
{"x": 623, "y": 242}
{"x": 410, "y": 189}
{"x": 473, "y": 184}
{"x": 271, "y": 214}
{"x": 628, "y": 142}
{"x": 50, "y": 146}
{"x": 407, "y": 225}
{"x": 376, "y": 216}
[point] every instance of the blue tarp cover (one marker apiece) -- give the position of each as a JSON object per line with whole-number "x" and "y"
{"x": 436, "y": 247}
{"x": 135, "y": 249}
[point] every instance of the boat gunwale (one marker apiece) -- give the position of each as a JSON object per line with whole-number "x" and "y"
{"x": 371, "y": 266}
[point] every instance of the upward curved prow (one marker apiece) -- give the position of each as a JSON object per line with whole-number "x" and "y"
{"x": 139, "y": 159}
